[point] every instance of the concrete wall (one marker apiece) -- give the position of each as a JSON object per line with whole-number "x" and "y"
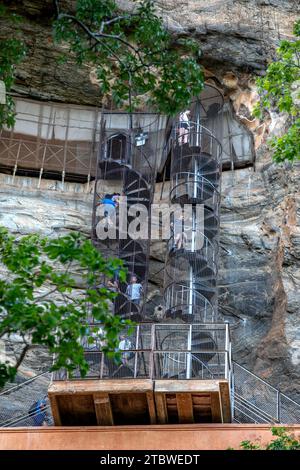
{"x": 169, "y": 437}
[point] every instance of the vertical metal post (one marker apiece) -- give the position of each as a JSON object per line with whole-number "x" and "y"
{"x": 51, "y": 123}
{"x": 226, "y": 351}
{"x": 191, "y": 290}
{"x": 278, "y": 407}
{"x": 198, "y": 129}
{"x": 232, "y": 385}
{"x": 152, "y": 352}
{"x": 136, "y": 350}
{"x": 65, "y": 148}
{"x": 188, "y": 354}
{"x": 195, "y": 185}
{"x": 101, "y": 365}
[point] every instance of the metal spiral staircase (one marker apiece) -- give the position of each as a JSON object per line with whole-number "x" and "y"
{"x": 191, "y": 271}
{"x": 178, "y": 370}
{"x": 191, "y": 268}
{"x": 130, "y": 170}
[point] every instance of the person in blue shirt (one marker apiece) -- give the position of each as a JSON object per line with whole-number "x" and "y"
{"x": 38, "y": 413}
{"x": 134, "y": 290}
{"x": 110, "y": 202}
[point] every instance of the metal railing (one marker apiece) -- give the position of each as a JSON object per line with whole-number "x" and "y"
{"x": 162, "y": 351}
{"x": 253, "y": 399}
{"x": 256, "y": 401}
{"x": 16, "y": 403}
{"x": 65, "y": 158}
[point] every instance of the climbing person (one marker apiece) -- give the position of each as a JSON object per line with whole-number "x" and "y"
{"x": 38, "y": 412}
{"x": 184, "y": 126}
{"x": 113, "y": 283}
{"x": 110, "y": 203}
{"x": 125, "y": 345}
{"x": 178, "y": 233}
{"x": 134, "y": 290}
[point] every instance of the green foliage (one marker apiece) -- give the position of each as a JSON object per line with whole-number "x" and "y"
{"x": 248, "y": 445}
{"x": 279, "y": 89}
{"x": 135, "y": 57}
{"x": 287, "y": 147}
{"x": 12, "y": 51}
{"x": 7, "y": 373}
{"x": 36, "y": 300}
{"x": 284, "y": 441}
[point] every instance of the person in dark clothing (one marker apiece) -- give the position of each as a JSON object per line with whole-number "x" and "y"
{"x": 113, "y": 283}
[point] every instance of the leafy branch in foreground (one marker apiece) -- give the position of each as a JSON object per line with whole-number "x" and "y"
{"x": 132, "y": 52}
{"x": 40, "y": 304}
{"x": 12, "y": 52}
{"x": 279, "y": 90}
{"x": 284, "y": 441}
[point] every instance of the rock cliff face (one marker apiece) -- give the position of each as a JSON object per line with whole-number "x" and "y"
{"x": 234, "y": 35}
{"x": 260, "y": 229}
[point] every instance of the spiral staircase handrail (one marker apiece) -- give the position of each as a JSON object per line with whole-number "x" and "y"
{"x": 200, "y": 130}
{"x": 131, "y": 146}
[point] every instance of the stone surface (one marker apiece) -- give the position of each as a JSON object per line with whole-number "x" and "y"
{"x": 234, "y": 35}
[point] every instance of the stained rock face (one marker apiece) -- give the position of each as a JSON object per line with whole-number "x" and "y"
{"x": 236, "y": 32}
{"x": 234, "y": 35}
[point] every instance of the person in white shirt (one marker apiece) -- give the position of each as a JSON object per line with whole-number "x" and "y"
{"x": 134, "y": 290}
{"x": 125, "y": 345}
{"x": 184, "y": 125}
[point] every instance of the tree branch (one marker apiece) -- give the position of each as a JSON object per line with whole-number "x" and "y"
{"x": 4, "y": 332}
{"x": 98, "y": 36}
{"x": 114, "y": 20}
{"x": 37, "y": 299}
{"x": 22, "y": 355}
{"x": 90, "y": 34}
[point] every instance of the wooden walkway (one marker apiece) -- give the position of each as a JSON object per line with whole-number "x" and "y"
{"x": 138, "y": 401}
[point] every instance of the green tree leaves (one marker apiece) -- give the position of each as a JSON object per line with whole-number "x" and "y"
{"x": 38, "y": 301}
{"x": 12, "y": 51}
{"x": 284, "y": 441}
{"x": 279, "y": 89}
{"x": 136, "y": 59}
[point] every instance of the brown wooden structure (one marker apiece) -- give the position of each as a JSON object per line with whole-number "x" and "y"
{"x": 138, "y": 401}
{"x": 167, "y": 376}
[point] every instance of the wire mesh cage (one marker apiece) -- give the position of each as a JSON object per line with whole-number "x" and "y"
{"x": 256, "y": 401}
{"x": 129, "y": 147}
{"x": 191, "y": 266}
{"x": 159, "y": 351}
{"x": 26, "y": 404}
